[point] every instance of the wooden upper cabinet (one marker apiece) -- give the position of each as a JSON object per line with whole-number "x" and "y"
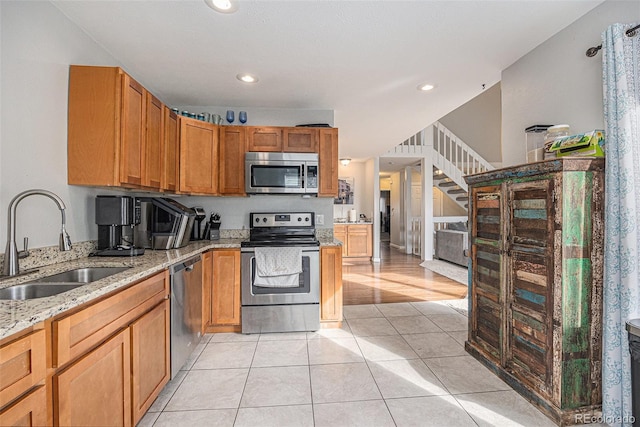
{"x": 115, "y": 130}
{"x": 300, "y": 140}
{"x": 132, "y": 147}
{"x": 171, "y": 156}
{"x": 233, "y": 146}
{"x": 93, "y": 134}
{"x": 154, "y": 142}
{"x": 328, "y": 159}
{"x": 264, "y": 139}
{"x": 198, "y": 157}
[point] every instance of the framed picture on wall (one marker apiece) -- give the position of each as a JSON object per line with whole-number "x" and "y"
{"x": 345, "y": 192}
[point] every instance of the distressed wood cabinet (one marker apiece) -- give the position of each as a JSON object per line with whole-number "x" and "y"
{"x": 536, "y": 285}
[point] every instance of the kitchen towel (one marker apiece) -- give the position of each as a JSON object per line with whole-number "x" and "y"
{"x": 278, "y": 267}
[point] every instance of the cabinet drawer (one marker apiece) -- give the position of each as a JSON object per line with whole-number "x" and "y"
{"x": 22, "y": 365}
{"x": 76, "y": 333}
{"x": 31, "y": 410}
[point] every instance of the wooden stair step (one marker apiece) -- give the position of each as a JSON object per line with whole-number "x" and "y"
{"x": 462, "y": 198}
{"x": 456, "y": 191}
{"x": 448, "y": 184}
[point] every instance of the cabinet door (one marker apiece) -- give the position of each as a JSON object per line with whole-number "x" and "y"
{"x": 154, "y": 140}
{"x": 30, "y": 410}
{"x": 96, "y": 390}
{"x": 300, "y": 140}
{"x": 225, "y": 294}
{"x": 198, "y": 157}
{"x": 150, "y": 358}
{"x": 207, "y": 285}
{"x": 530, "y": 282}
{"x": 331, "y": 284}
{"x": 171, "y": 151}
{"x": 264, "y": 139}
{"x": 132, "y": 147}
{"x": 328, "y": 159}
{"x": 340, "y": 233}
{"x": 22, "y": 365}
{"x": 232, "y": 149}
{"x": 359, "y": 241}
{"x": 487, "y": 290}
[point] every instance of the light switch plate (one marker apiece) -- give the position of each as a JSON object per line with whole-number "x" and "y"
{"x": 319, "y": 219}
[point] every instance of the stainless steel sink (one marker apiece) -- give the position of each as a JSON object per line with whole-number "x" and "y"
{"x": 81, "y": 275}
{"x": 36, "y": 290}
{"x": 58, "y": 283}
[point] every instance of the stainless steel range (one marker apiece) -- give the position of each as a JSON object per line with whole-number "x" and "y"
{"x": 281, "y": 274}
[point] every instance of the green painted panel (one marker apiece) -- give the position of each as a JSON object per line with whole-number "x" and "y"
{"x": 576, "y": 386}
{"x": 577, "y": 195}
{"x": 576, "y": 283}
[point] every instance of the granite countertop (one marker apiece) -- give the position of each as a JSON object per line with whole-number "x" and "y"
{"x": 353, "y": 223}
{"x": 18, "y": 315}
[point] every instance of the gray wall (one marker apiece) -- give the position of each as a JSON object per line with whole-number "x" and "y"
{"x": 478, "y": 123}
{"x": 557, "y": 83}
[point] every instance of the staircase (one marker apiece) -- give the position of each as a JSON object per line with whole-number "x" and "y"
{"x": 452, "y": 159}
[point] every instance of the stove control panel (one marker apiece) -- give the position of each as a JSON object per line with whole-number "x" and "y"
{"x": 282, "y": 219}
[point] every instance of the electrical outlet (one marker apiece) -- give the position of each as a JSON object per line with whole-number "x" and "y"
{"x": 319, "y": 219}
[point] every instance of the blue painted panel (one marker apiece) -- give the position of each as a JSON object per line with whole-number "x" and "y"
{"x": 530, "y": 296}
{"x": 530, "y": 213}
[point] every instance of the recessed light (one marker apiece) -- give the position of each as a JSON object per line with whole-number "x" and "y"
{"x": 425, "y": 87}
{"x": 223, "y": 6}
{"x": 247, "y": 78}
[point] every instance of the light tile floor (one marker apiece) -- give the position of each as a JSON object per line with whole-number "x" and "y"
{"x": 399, "y": 364}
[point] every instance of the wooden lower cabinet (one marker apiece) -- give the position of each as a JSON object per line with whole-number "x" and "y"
{"x": 30, "y": 410}
{"x": 357, "y": 239}
{"x": 222, "y": 311}
{"x": 331, "y": 286}
{"x": 150, "y": 358}
{"x": 96, "y": 390}
{"x": 23, "y": 396}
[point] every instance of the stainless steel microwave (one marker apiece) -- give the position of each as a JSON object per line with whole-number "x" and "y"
{"x": 281, "y": 173}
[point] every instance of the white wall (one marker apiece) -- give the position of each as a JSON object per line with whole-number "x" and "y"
{"x": 38, "y": 43}
{"x": 362, "y": 200}
{"x": 557, "y": 83}
{"x": 478, "y": 123}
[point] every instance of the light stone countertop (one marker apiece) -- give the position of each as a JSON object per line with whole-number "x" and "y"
{"x": 18, "y": 315}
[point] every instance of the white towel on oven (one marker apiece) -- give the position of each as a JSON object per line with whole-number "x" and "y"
{"x": 278, "y": 267}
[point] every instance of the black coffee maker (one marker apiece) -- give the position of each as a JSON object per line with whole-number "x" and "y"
{"x": 196, "y": 231}
{"x": 116, "y": 217}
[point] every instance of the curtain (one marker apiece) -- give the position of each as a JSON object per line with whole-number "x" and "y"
{"x": 621, "y": 295}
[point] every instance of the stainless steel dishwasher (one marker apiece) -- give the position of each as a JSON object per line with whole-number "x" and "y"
{"x": 186, "y": 310}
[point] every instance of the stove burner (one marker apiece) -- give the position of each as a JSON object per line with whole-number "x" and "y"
{"x": 282, "y": 229}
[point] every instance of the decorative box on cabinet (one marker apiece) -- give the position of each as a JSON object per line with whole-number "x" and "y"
{"x": 536, "y": 286}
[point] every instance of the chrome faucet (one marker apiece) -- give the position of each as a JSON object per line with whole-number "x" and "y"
{"x": 11, "y": 254}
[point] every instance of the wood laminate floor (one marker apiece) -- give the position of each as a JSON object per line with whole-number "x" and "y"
{"x": 397, "y": 278}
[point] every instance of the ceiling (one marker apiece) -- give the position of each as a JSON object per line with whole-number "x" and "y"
{"x": 361, "y": 59}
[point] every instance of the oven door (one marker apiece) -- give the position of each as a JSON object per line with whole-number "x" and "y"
{"x": 307, "y": 291}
